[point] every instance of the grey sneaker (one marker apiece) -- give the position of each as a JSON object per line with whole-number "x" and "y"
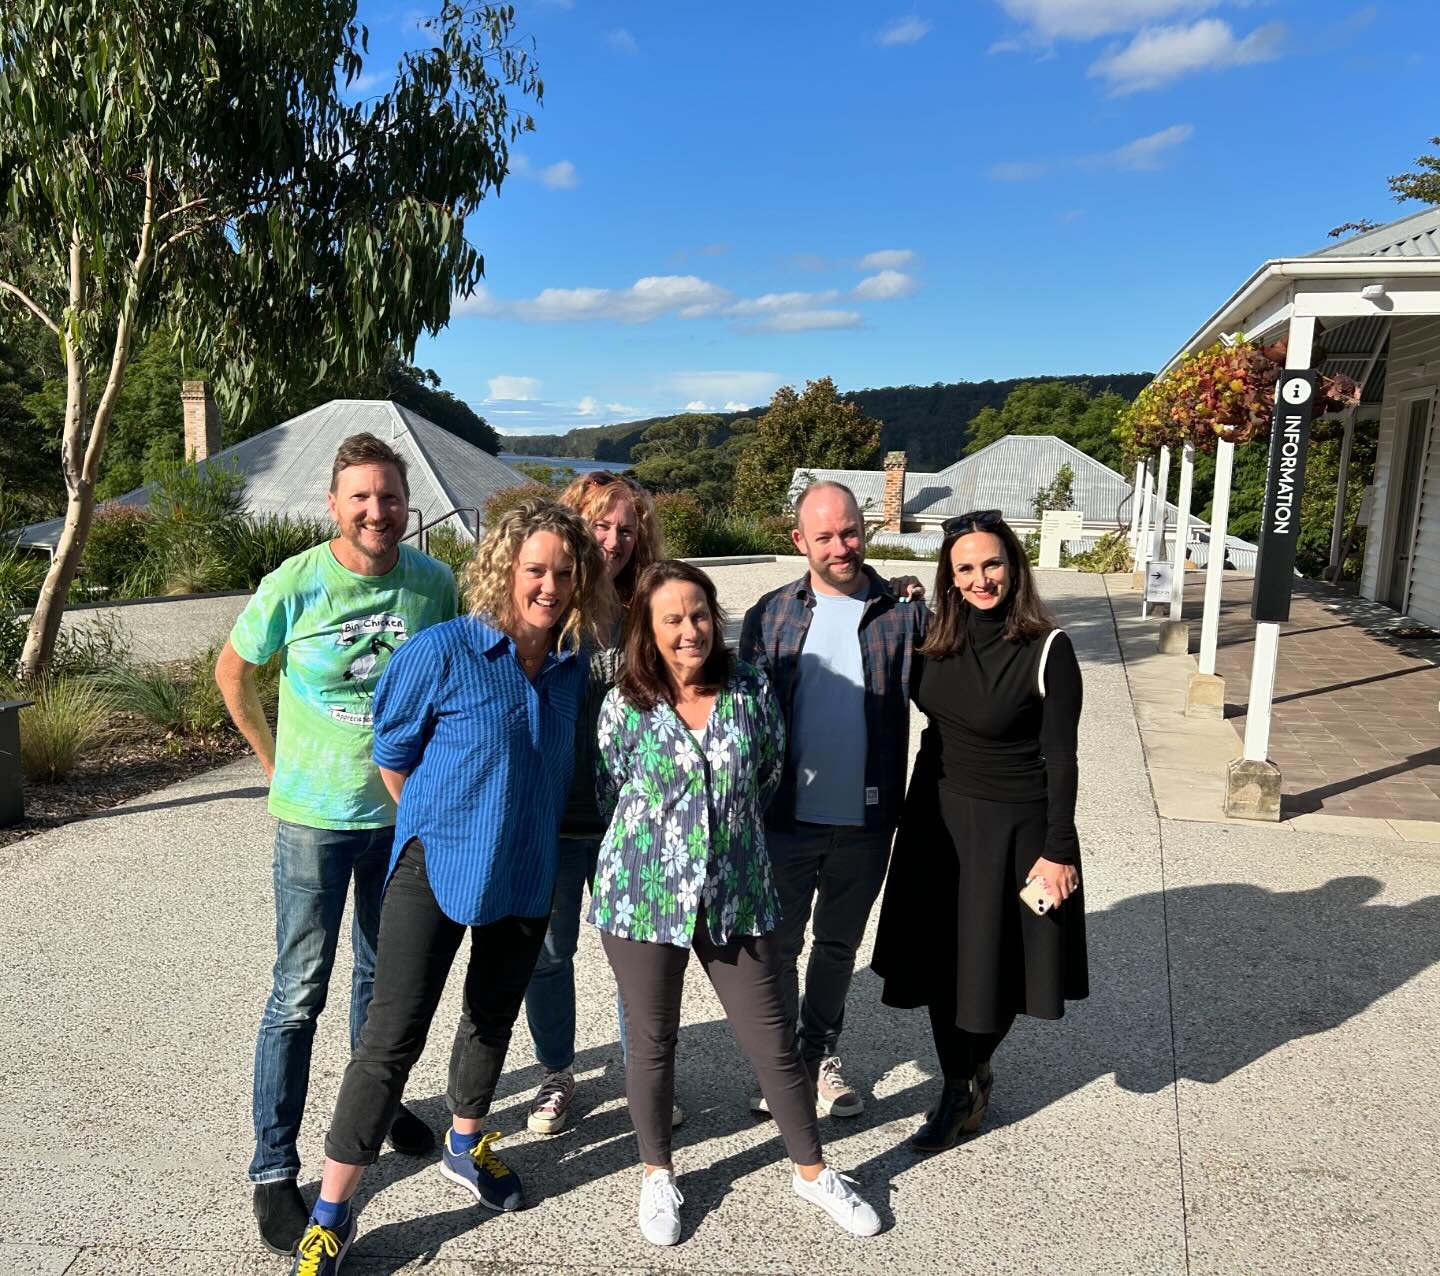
{"x": 834, "y": 1096}
{"x": 550, "y": 1108}
{"x": 660, "y": 1202}
{"x": 833, "y": 1194}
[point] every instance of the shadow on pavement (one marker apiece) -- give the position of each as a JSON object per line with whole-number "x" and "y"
{"x": 253, "y": 791}
{"x": 1250, "y": 970}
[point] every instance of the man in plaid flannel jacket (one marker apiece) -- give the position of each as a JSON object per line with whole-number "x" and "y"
{"x": 837, "y": 645}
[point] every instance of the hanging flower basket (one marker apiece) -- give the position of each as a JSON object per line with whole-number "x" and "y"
{"x": 1222, "y": 393}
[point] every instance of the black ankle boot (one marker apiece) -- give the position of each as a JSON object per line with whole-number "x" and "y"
{"x": 959, "y": 1112}
{"x": 282, "y": 1214}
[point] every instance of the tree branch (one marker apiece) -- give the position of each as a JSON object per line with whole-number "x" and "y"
{"x": 34, "y": 309}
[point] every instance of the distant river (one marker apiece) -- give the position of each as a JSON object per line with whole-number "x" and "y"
{"x": 579, "y": 464}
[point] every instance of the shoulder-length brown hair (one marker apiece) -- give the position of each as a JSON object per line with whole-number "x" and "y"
{"x": 590, "y": 496}
{"x": 490, "y": 574}
{"x": 1027, "y": 616}
{"x": 644, "y": 681}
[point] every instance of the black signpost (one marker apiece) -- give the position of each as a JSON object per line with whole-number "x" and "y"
{"x": 1284, "y": 484}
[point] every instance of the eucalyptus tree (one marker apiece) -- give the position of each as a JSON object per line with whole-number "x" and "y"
{"x": 213, "y": 167}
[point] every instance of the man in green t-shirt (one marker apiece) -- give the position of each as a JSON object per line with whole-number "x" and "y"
{"x": 334, "y": 614}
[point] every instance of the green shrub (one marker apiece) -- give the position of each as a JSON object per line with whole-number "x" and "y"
{"x": 903, "y": 554}
{"x": 12, "y": 643}
{"x": 682, "y": 524}
{"x": 1111, "y": 554}
{"x": 724, "y": 535}
{"x": 203, "y": 711}
{"x": 151, "y": 691}
{"x": 117, "y": 544}
{"x": 507, "y": 498}
{"x": 191, "y": 512}
{"x": 248, "y": 549}
{"x": 455, "y": 551}
{"x": 69, "y": 717}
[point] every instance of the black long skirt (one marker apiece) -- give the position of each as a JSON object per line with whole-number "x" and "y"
{"x": 952, "y": 926}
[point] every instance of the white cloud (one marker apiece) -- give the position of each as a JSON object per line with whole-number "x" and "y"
{"x": 1144, "y": 154}
{"x": 513, "y": 389}
{"x": 621, "y": 41}
{"x": 588, "y": 406}
{"x": 560, "y": 177}
{"x": 903, "y": 31}
{"x": 809, "y": 321}
{"x": 739, "y": 386}
{"x": 1158, "y": 55}
{"x": 732, "y": 406}
{"x": 685, "y": 295}
{"x": 774, "y": 302}
{"x": 621, "y": 409}
{"x": 886, "y": 259}
{"x": 366, "y": 82}
{"x": 1085, "y": 19}
{"x": 478, "y": 302}
{"x": 698, "y": 405}
{"x": 885, "y": 286}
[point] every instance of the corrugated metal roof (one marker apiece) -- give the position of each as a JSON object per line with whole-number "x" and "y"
{"x": 287, "y": 467}
{"x": 1417, "y": 235}
{"x": 1004, "y": 476}
{"x": 1348, "y": 347}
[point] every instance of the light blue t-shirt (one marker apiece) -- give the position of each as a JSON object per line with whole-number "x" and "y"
{"x": 827, "y": 730}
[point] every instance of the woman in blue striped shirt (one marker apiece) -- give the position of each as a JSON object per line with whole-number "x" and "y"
{"x": 475, "y": 737}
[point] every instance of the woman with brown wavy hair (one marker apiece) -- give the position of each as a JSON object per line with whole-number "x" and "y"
{"x": 621, "y": 517}
{"x": 474, "y": 738}
{"x": 991, "y": 807}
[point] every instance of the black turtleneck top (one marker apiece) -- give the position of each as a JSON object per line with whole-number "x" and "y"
{"x": 999, "y": 738}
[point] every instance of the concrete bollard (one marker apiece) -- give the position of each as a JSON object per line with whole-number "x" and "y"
{"x": 1205, "y": 696}
{"x": 1175, "y": 638}
{"x": 1252, "y": 790}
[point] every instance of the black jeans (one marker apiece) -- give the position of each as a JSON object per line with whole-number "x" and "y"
{"x": 746, "y": 976}
{"x": 416, "y": 949}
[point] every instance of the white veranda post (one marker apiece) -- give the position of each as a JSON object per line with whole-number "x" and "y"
{"x": 1142, "y": 540}
{"x": 1157, "y": 525}
{"x": 1215, "y": 567}
{"x": 1267, "y": 633}
{"x": 1136, "y": 496}
{"x": 1182, "y": 530}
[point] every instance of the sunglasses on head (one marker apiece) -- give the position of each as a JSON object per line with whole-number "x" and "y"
{"x": 975, "y": 520}
{"x": 601, "y": 478}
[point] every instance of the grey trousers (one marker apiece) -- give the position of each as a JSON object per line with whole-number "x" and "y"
{"x": 745, "y": 975}
{"x": 836, "y": 871}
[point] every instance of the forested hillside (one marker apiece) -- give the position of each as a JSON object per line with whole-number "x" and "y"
{"x": 931, "y": 423}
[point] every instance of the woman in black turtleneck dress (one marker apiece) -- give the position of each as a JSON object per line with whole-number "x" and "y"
{"x": 991, "y": 803}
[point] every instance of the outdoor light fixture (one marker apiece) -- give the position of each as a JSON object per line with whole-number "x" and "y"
{"x": 1373, "y": 292}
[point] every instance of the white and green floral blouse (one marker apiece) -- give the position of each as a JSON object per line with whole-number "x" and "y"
{"x": 686, "y": 813}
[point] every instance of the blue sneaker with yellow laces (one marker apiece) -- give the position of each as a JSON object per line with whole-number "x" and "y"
{"x": 483, "y": 1174}
{"x": 323, "y": 1249}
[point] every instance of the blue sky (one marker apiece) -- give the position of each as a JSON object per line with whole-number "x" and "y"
{"x": 720, "y": 199}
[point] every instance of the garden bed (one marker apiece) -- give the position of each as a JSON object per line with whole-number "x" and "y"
{"x": 144, "y": 760}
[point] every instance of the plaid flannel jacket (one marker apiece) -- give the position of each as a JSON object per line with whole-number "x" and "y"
{"x": 772, "y": 638}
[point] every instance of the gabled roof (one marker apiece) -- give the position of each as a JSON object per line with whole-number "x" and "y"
{"x": 1417, "y": 235}
{"x": 287, "y": 467}
{"x": 1004, "y": 476}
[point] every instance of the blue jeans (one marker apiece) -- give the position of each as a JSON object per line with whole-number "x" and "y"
{"x": 550, "y": 999}
{"x": 313, "y": 871}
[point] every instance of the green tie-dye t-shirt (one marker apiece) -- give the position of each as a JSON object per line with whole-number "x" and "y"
{"x": 336, "y": 631}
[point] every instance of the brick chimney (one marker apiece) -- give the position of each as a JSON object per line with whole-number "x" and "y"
{"x": 202, "y": 421}
{"x": 892, "y": 506}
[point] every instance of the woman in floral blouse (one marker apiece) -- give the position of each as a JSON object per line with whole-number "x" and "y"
{"x": 689, "y": 753}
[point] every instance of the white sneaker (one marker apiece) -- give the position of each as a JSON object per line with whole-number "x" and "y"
{"x": 833, "y": 1194}
{"x": 660, "y": 1202}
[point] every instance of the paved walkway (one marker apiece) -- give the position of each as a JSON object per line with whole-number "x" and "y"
{"x": 1249, "y": 1088}
{"x": 1355, "y": 728}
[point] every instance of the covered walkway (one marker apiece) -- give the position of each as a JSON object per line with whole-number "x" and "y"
{"x": 1355, "y": 728}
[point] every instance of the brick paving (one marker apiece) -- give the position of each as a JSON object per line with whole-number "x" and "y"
{"x": 1355, "y": 728}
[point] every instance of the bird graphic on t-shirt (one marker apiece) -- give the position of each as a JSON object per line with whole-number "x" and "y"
{"x": 364, "y": 664}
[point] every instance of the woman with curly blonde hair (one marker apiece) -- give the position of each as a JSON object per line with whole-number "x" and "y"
{"x": 475, "y": 739}
{"x": 621, "y": 517}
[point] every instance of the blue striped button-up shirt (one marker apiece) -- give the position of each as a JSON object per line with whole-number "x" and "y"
{"x": 489, "y": 757}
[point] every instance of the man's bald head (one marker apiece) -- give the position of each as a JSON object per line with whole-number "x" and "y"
{"x": 830, "y": 532}
{"x": 820, "y": 488}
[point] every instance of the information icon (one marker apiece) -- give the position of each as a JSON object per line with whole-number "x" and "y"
{"x": 1296, "y": 390}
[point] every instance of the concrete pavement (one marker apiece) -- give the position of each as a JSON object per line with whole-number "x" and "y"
{"x": 1248, "y": 1088}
